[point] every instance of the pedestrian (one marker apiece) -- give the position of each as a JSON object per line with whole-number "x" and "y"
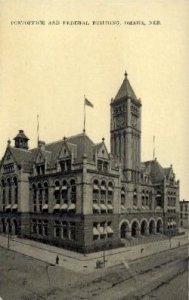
{"x": 57, "y": 260}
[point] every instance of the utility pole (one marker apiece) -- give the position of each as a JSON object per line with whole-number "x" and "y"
{"x": 8, "y": 236}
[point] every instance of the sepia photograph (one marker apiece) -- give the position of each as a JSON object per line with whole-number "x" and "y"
{"x": 94, "y": 197}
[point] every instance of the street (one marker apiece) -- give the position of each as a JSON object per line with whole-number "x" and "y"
{"x": 25, "y": 278}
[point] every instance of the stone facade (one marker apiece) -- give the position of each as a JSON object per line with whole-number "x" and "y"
{"x": 74, "y": 194}
{"x": 184, "y": 214}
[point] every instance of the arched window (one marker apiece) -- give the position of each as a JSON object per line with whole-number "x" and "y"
{"x": 73, "y": 191}
{"x": 40, "y": 195}
{"x": 65, "y": 192}
{"x": 34, "y": 196}
{"x": 143, "y": 198}
{"x": 147, "y": 198}
{"x": 103, "y": 197}
{"x": 9, "y": 190}
{"x": 110, "y": 193}
{"x": 158, "y": 199}
{"x": 123, "y": 197}
{"x": 57, "y": 192}
{"x": 143, "y": 227}
{"x": 15, "y": 190}
{"x": 135, "y": 197}
{"x": 110, "y": 197}
{"x": 95, "y": 191}
{"x": 103, "y": 192}
{"x": 96, "y": 207}
{"x": 46, "y": 193}
{"x": 135, "y": 229}
{"x": 3, "y": 191}
{"x": 152, "y": 227}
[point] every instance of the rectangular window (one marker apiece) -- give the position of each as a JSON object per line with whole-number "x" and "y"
{"x": 72, "y": 231}
{"x": 40, "y": 228}
{"x": 99, "y": 165}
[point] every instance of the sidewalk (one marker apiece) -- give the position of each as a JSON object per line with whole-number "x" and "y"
{"x": 86, "y": 263}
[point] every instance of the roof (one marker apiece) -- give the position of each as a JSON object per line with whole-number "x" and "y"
{"x": 125, "y": 91}
{"x": 78, "y": 145}
{"x": 22, "y": 135}
{"x": 156, "y": 171}
{"x": 21, "y": 155}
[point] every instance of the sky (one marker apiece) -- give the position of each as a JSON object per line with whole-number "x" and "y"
{"x": 47, "y": 70}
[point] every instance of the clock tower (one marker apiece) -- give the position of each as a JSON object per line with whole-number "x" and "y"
{"x": 125, "y": 130}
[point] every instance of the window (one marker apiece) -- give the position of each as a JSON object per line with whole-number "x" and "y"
{"x": 40, "y": 195}
{"x": 57, "y": 229}
{"x": 34, "y": 190}
{"x": 110, "y": 193}
{"x": 40, "y": 230}
{"x": 34, "y": 226}
{"x": 158, "y": 199}
{"x": 45, "y": 227}
{"x": 143, "y": 198}
{"x": 40, "y": 169}
{"x": 95, "y": 191}
{"x": 102, "y": 165}
{"x": 103, "y": 192}
{"x": 65, "y": 165}
{"x": 9, "y": 190}
{"x": 57, "y": 192}
{"x": 72, "y": 231}
{"x": 65, "y": 230}
{"x": 102, "y": 230}
{"x": 46, "y": 193}
{"x": 3, "y": 192}
{"x": 73, "y": 191}
{"x": 65, "y": 192}
{"x": 15, "y": 190}
{"x": 109, "y": 230}
{"x": 147, "y": 198}
{"x": 123, "y": 199}
{"x": 135, "y": 197}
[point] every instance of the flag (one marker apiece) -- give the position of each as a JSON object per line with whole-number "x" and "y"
{"x": 87, "y": 102}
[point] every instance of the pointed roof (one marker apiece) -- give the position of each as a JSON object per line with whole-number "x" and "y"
{"x": 126, "y": 90}
{"x": 21, "y": 134}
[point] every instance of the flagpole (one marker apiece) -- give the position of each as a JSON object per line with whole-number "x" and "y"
{"x": 37, "y": 130}
{"x": 153, "y": 147}
{"x": 84, "y": 116}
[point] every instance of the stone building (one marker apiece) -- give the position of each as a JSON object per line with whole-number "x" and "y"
{"x": 184, "y": 214}
{"x": 75, "y": 194}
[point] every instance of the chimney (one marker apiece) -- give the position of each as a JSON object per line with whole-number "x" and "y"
{"x": 41, "y": 145}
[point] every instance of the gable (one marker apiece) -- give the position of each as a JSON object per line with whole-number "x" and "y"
{"x": 102, "y": 152}
{"x": 8, "y": 162}
{"x": 64, "y": 152}
{"x": 40, "y": 158}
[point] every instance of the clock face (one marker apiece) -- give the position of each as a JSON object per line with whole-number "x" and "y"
{"x": 120, "y": 121}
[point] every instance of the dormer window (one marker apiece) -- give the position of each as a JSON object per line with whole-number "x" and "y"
{"x": 65, "y": 165}
{"x": 102, "y": 165}
{"x": 40, "y": 169}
